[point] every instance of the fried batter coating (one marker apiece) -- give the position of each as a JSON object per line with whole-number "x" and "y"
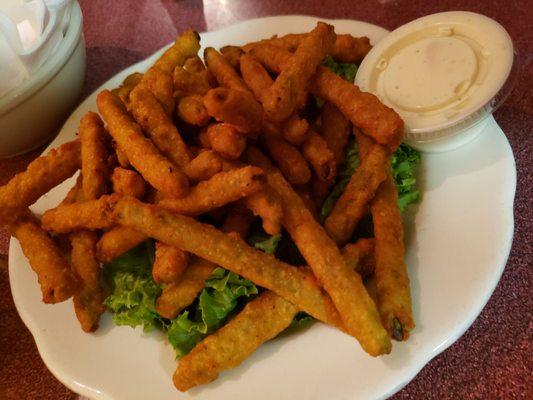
{"x": 295, "y": 130}
{"x": 91, "y": 215}
{"x": 354, "y": 201}
{"x": 226, "y": 140}
{"x": 236, "y": 107}
{"x": 289, "y": 91}
{"x": 255, "y": 76}
{"x": 93, "y": 156}
{"x": 117, "y": 241}
{"x": 360, "y": 256}
{"x": 127, "y": 182}
{"x": 55, "y": 277}
{"x": 188, "y": 83}
{"x": 335, "y": 131}
{"x": 41, "y": 175}
{"x": 177, "y": 296}
{"x": 320, "y": 157}
{"x": 159, "y": 126}
{"x": 363, "y": 109}
{"x": 230, "y": 253}
{"x": 232, "y": 54}
{"x": 127, "y": 85}
{"x": 88, "y": 301}
{"x": 392, "y": 278}
{"x": 346, "y": 49}
{"x": 261, "y": 319}
{"x": 141, "y": 152}
{"x": 191, "y": 109}
{"x": 288, "y": 158}
{"x": 267, "y": 205}
{"x": 170, "y": 263}
{"x": 185, "y": 46}
{"x": 344, "y": 285}
{"x": 221, "y": 189}
{"x": 205, "y": 165}
{"x": 222, "y": 70}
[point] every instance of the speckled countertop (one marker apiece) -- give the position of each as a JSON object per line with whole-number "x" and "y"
{"x": 493, "y": 359}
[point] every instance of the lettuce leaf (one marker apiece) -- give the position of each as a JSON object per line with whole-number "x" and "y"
{"x": 345, "y": 70}
{"x": 404, "y": 164}
{"x": 351, "y": 163}
{"x": 133, "y": 290}
{"x": 216, "y": 302}
{"x": 263, "y": 241}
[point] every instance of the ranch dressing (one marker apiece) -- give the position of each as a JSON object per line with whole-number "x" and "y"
{"x": 439, "y": 73}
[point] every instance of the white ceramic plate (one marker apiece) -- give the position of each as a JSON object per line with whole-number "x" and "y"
{"x": 457, "y": 241}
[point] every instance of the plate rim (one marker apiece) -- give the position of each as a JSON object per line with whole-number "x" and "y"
{"x": 93, "y": 393}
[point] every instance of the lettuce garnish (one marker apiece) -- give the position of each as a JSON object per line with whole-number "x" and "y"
{"x": 217, "y": 301}
{"x": 134, "y": 293}
{"x": 344, "y": 70}
{"x": 404, "y": 164}
{"x": 133, "y": 290}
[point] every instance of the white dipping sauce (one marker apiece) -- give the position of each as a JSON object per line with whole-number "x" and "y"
{"x": 439, "y": 71}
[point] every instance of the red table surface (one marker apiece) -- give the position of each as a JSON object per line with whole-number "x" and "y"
{"x": 493, "y": 359}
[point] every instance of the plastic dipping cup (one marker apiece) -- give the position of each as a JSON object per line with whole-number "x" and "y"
{"x": 444, "y": 74}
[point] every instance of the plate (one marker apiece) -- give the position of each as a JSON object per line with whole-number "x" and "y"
{"x": 457, "y": 242}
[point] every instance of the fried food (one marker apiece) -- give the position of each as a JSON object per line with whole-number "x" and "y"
{"x": 236, "y": 107}
{"x": 124, "y": 90}
{"x": 91, "y": 215}
{"x": 177, "y": 296}
{"x": 335, "y": 131}
{"x": 392, "y": 279}
{"x": 222, "y": 70}
{"x": 226, "y": 140}
{"x": 349, "y": 49}
{"x": 185, "y": 46}
{"x": 93, "y": 156}
{"x": 160, "y": 84}
{"x": 344, "y": 285}
{"x": 267, "y": 205}
{"x": 295, "y": 130}
{"x": 288, "y": 158}
{"x": 57, "y": 281}
{"x": 127, "y": 182}
{"x": 346, "y": 49}
{"x": 88, "y": 300}
{"x": 193, "y": 64}
{"x": 320, "y": 157}
{"x": 255, "y": 76}
{"x": 187, "y": 83}
{"x": 289, "y": 91}
{"x": 157, "y": 170}
{"x": 117, "y": 241}
{"x": 159, "y": 126}
{"x": 170, "y": 263}
{"x": 191, "y": 109}
{"x": 238, "y": 221}
{"x": 260, "y": 320}
{"x": 232, "y": 54}
{"x": 42, "y": 174}
{"x": 265, "y": 317}
{"x": 221, "y": 189}
{"x": 363, "y": 109}
{"x": 204, "y": 166}
{"x": 354, "y": 201}
{"x": 232, "y": 254}
{"x": 319, "y": 190}
{"x": 360, "y": 256}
